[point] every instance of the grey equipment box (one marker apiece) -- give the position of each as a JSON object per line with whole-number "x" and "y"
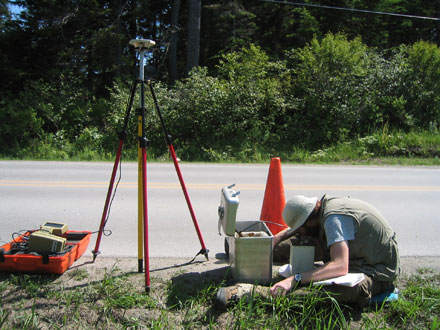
{"x": 250, "y": 242}
{"x": 302, "y": 254}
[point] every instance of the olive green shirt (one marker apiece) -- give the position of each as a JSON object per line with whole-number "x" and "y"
{"x": 374, "y": 250}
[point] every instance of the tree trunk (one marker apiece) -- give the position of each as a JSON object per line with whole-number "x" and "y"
{"x": 193, "y": 46}
{"x": 172, "y": 53}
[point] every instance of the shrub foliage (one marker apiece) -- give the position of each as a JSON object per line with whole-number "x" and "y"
{"x": 330, "y": 91}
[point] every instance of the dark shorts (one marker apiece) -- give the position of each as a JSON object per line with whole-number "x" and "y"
{"x": 360, "y": 294}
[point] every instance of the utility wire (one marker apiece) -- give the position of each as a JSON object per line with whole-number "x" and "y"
{"x": 351, "y": 9}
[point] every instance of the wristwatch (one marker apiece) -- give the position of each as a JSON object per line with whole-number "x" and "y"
{"x": 297, "y": 277}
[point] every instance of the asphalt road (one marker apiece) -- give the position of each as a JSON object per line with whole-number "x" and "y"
{"x": 74, "y": 193}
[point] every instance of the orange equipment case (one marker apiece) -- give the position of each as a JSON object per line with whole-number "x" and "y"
{"x": 15, "y": 260}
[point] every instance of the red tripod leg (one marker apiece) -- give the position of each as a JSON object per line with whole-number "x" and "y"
{"x": 145, "y": 209}
{"x": 115, "y": 169}
{"x": 204, "y": 251}
{"x": 107, "y": 200}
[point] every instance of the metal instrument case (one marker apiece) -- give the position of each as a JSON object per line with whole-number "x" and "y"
{"x": 250, "y": 242}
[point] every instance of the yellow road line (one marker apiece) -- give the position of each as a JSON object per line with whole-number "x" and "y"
{"x": 209, "y": 186}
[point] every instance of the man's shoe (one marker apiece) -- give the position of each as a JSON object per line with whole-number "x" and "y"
{"x": 225, "y": 295}
{"x": 235, "y": 293}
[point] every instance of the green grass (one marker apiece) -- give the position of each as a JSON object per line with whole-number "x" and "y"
{"x": 380, "y": 148}
{"x": 116, "y": 300}
{"x": 420, "y": 303}
{"x": 303, "y": 312}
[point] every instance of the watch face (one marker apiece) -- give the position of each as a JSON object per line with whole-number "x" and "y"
{"x": 298, "y": 277}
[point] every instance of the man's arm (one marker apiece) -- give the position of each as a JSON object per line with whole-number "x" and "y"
{"x": 281, "y": 236}
{"x": 337, "y": 266}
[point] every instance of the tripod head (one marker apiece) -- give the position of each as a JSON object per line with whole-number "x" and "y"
{"x": 142, "y": 43}
{"x": 141, "y": 46}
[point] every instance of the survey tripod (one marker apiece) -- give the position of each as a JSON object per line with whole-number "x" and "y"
{"x": 141, "y": 46}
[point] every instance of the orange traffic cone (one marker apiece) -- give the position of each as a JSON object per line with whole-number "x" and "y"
{"x": 274, "y": 200}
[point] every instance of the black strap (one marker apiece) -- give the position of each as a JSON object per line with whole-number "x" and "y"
{"x": 45, "y": 258}
{"x": 2, "y": 255}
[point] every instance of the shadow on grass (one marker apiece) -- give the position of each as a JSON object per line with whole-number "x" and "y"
{"x": 32, "y": 285}
{"x": 192, "y": 294}
{"x": 200, "y": 286}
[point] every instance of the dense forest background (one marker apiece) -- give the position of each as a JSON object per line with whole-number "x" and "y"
{"x": 234, "y": 79}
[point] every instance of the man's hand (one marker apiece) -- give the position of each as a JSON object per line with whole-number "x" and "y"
{"x": 282, "y": 287}
{"x": 337, "y": 266}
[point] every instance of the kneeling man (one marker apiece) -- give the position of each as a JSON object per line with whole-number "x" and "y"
{"x": 350, "y": 236}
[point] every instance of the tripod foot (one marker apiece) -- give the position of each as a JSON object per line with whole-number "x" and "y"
{"x": 202, "y": 251}
{"x": 205, "y": 253}
{"x": 95, "y": 254}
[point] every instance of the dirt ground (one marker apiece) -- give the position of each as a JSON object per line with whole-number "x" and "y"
{"x": 162, "y": 272}
{"x": 176, "y": 270}
{"x": 216, "y": 267}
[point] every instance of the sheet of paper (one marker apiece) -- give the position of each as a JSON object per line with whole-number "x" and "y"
{"x": 351, "y": 279}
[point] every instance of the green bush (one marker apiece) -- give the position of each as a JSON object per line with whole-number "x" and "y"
{"x": 324, "y": 98}
{"x": 384, "y": 91}
{"x": 423, "y": 91}
{"x": 331, "y": 91}
{"x": 20, "y": 124}
{"x": 228, "y": 116}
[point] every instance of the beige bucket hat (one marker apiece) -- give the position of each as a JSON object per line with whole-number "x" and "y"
{"x": 297, "y": 210}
